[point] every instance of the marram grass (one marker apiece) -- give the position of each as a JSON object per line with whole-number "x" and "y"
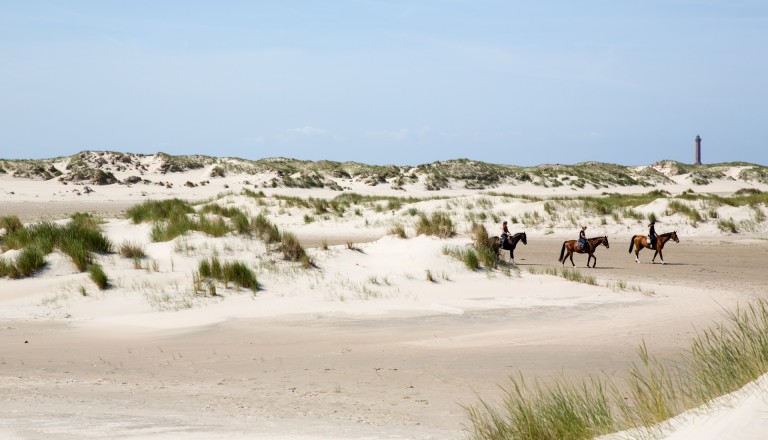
{"x": 721, "y": 360}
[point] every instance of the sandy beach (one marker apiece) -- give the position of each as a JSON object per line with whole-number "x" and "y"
{"x": 362, "y": 346}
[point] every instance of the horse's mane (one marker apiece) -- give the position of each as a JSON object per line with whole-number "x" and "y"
{"x": 667, "y": 234}
{"x": 595, "y": 238}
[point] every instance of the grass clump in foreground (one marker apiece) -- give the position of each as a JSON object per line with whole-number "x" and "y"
{"x": 720, "y": 361}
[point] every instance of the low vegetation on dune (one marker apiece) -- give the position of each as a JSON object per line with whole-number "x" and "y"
{"x": 101, "y": 168}
{"x": 78, "y": 239}
{"x": 234, "y": 272}
{"x": 720, "y": 361}
{"x": 438, "y": 224}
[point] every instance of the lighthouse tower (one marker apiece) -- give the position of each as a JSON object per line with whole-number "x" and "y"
{"x": 698, "y": 150}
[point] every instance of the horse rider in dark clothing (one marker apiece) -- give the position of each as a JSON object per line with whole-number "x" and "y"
{"x": 504, "y": 235}
{"x": 652, "y": 234}
{"x": 583, "y": 238}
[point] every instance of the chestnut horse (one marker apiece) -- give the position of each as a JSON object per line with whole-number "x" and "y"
{"x": 641, "y": 241}
{"x": 511, "y": 243}
{"x": 573, "y": 246}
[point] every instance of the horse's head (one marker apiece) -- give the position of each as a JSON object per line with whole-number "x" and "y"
{"x": 605, "y": 242}
{"x": 674, "y": 237}
{"x": 524, "y": 239}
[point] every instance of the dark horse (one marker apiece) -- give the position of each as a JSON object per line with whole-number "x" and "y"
{"x": 641, "y": 241}
{"x": 573, "y": 246}
{"x": 510, "y": 244}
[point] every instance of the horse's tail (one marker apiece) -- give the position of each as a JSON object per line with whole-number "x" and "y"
{"x": 562, "y": 252}
{"x": 632, "y": 243}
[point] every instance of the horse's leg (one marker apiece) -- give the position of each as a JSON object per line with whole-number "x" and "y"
{"x": 570, "y": 253}
{"x": 653, "y": 260}
{"x": 512, "y": 256}
{"x": 594, "y": 262}
{"x": 661, "y": 256}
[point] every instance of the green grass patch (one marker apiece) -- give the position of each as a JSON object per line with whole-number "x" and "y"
{"x": 727, "y": 225}
{"x": 78, "y": 239}
{"x": 98, "y": 276}
{"x": 721, "y": 360}
{"x": 235, "y": 272}
{"x": 439, "y": 225}
{"x": 10, "y": 223}
{"x": 29, "y": 261}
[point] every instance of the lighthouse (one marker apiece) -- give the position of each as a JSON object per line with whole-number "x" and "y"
{"x": 698, "y": 150}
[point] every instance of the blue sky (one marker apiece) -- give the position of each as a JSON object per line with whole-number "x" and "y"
{"x": 387, "y": 82}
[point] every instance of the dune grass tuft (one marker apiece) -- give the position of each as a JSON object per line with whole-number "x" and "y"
{"x": 720, "y": 361}
{"x": 235, "y": 272}
{"x": 132, "y": 250}
{"x": 10, "y": 223}
{"x": 29, "y": 261}
{"x": 78, "y": 239}
{"x": 439, "y": 225}
{"x": 98, "y": 276}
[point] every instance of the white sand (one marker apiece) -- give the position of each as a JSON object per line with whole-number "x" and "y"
{"x": 363, "y": 346}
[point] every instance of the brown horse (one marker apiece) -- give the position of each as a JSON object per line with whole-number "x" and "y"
{"x": 641, "y": 241}
{"x": 572, "y": 246}
{"x": 511, "y": 243}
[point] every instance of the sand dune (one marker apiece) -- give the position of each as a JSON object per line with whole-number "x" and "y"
{"x": 384, "y": 338}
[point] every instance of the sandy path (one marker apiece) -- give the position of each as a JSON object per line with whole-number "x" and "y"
{"x": 332, "y": 377}
{"x": 54, "y": 210}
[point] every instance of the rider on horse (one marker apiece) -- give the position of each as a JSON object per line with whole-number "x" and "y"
{"x": 652, "y": 234}
{"x": 583, "y": 244}
{"x": 504, "y": 235}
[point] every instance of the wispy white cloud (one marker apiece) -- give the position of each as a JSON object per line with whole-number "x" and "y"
{"x": 306, "y": 131}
